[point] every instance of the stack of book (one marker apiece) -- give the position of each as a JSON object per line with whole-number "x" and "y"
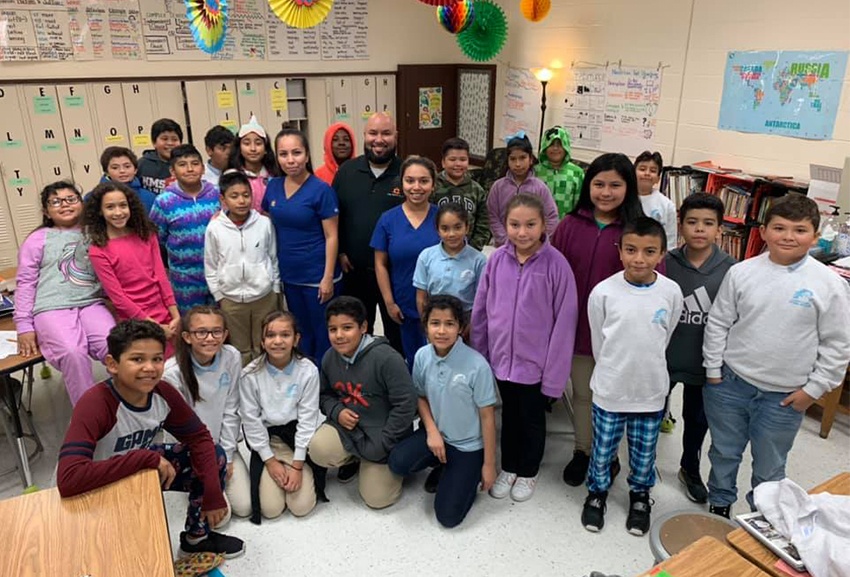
{"x": 735, "y": 200}
{"x": 734, "y": 241}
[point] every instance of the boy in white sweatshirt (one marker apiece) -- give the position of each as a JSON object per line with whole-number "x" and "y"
{"x": 776, "y": 340}
{"x": 240, "y": 265}
{"x": 632, "y": 316}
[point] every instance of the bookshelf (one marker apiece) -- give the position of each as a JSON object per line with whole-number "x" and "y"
{"x": 746, "y": 198}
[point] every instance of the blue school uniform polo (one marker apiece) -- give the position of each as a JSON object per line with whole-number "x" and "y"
{"x": 439, "y": 273}
{"x": 456, "y": 387}
{"x": 395, "y": 236}
{"x": 298, "y": 227}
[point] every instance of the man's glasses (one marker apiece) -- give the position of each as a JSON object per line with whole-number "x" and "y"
{"x": 69, "y": 200}
{"x": 201, "y": 334}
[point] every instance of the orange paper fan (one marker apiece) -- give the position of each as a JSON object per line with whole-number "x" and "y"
{"x": 535, "y": 10}
{"x": 301, "y": 13}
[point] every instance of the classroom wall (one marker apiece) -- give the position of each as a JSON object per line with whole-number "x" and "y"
{"x": 691, "y": 38}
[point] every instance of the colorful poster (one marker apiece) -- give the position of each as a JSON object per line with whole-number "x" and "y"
{"x": 781, "y": 92}
{"x": 521, "y": 104}
{"x": 430, "y": 107}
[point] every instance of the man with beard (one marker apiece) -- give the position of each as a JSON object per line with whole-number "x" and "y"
{"x": 366, "y": 187}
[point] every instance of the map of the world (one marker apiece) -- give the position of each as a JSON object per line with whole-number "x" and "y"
{"x": 783, "y": 92}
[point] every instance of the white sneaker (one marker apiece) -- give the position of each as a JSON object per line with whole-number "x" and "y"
{"x": 523, "y": 489}
{"x": 502, "y": 487}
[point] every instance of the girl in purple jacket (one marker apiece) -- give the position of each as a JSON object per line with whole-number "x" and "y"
{"x": 524, "y": 322}
{"x": 588, "y": 237}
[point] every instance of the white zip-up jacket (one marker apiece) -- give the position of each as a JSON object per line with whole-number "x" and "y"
{"x": 240, "y": 262}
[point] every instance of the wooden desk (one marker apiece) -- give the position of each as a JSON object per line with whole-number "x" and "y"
{"x": 9, "y": 365}
{"x": 707, "y": 557}
{"x": 119, "y": 529}
{"x": 760, "y": 555}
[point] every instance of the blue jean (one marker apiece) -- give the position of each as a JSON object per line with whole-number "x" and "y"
{"x": 303, "y": 302}
{"x": 412, "y": 339}
{"x": 642, "y": 433}
{"x": 459, "y": 483}
{"x": 739, "y": 413}
{"x": 187, "y": 482}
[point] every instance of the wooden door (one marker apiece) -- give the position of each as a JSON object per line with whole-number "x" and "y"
{"x": 427, "y": 108}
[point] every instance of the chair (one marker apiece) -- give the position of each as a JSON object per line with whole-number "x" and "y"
{"x": 492, "y": 169}
{"x": 829, "y": 403}
{"x": 26, "y": 419}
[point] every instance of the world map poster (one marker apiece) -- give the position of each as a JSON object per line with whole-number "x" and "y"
{"x": 783, "y": 92}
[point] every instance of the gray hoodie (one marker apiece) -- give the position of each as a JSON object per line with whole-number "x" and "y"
{"x": 699, "y": 287}
{"x": 377, "y": 386}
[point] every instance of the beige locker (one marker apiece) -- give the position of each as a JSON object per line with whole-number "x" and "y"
{"x": 365, "y": 101}
{"x": 211, "y": 102}
{"x": 168, "y": 102}
{"x": 320, "y": 119}
{"x": 18, "y": 182}
{"x": 385, "y": 88}
{"x": 250, "y": 100}
{"x": 275, "y": 105}
{"x": 110, "y": 119}
{"x": 47, "y": 144}
{"x": 83, "y": 148}
{"x": 139, "y": 111}
{"x": 342, "y": 105}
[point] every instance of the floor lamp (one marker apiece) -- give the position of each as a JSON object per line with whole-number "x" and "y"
{"x": 544, "y": 75}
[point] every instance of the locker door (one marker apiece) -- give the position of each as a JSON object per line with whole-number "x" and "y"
{"x": 223, "y": 105}
{"x": 110, "y": 119}
{"x": 274, "y": 103}
{"x": 199, "y": 112}
{"x": 138, "y": 108}
{"x": 167, "y": 102}
{"x": 76, "y": 106}
{"x": 48, "y": 136}
{"x": 19, "y": 186}
{"x": 342, "y": 99}
{"x": 249, "y": 98}
{"x": 385, "y": 86}
{"x": 365, "y": 100}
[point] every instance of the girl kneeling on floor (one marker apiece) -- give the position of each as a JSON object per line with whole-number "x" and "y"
{"x": 206, "y": 372}
{"x": 280, "y": 413}
{"x": 457, "y": 433}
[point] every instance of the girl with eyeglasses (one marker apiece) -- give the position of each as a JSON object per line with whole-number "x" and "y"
{"x": 59, "y": 305}
{"x": 125, "y": 255}
{"x": 206, "y": 371}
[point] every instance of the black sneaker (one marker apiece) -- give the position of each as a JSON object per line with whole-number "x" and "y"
{"x": 694, "y": 487}
{"x": 576, "y": 470}
{"x": 214, "y": 542}
{"x": 720, "y": 510}
{"x": 433, "y": 480}
{"x": 593, "y": 513}
{"x": 348, "y": 471}
{"x": 640, "y": 506}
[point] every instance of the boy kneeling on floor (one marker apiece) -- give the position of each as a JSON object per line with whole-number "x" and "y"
{"x": 113, "y": 427}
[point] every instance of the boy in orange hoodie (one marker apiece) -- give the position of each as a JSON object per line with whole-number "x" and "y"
{"x": 339, "y": 147}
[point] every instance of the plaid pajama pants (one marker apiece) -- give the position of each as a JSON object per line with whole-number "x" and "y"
{"x": 642, "y": 433}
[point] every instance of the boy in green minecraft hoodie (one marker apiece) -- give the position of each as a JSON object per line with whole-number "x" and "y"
{"x": 563, "y": 177}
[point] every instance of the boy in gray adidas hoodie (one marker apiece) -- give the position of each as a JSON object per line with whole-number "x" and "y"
{"x": 698, "y": 268}
{"x": 368, "y": 397}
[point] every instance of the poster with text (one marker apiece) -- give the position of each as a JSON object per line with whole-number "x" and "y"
{"x": 787, "y": 93}
{"x": 521, "y": 105}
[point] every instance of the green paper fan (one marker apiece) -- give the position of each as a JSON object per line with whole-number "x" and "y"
{"x": 487, "y": 34}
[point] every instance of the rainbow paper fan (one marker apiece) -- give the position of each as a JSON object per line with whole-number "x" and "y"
{"x": 487, "y": 34}
{"x": 456, "y": 17}
{"x": 301, "y": 13}
{"x": 535, "y": 10}
{"x": 208, "y": 23}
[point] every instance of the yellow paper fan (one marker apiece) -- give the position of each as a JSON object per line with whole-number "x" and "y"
{"x": 301, "y": 13}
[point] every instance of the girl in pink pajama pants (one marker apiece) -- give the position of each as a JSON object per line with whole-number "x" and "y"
{"x": 59, "y": 307}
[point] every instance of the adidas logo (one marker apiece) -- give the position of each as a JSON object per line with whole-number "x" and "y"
{"x": 696, "y": 307}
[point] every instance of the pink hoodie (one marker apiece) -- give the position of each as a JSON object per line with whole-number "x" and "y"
{"x": 327, "y": 171}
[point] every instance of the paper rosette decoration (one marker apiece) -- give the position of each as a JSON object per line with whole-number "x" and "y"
{"x": 208, "y": 23}
{"x": 535, "y": 10}
{"x": 487, "y": 34}
{"x": 301, "y": 13}
{"x": 457, "y": 16}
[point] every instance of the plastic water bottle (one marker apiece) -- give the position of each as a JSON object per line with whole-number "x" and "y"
{"x": 842, "y": 241}
{"x": 829, "y": 232}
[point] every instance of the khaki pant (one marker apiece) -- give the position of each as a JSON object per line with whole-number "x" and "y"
{"x": 238, "y": 488}
{"x": 245, "y": 323}
{"x": 273, "y": 499}
{"x": 582, "y": 400}
{"x": 378, "y": 486}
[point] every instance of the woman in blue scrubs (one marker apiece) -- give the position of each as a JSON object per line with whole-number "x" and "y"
{"x": 304, "y": 212}
{"x": 400, "y": 235}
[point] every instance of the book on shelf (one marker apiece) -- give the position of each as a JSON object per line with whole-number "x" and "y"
{"x": 733, "y": 240}
{"x": 679, "y": 184}
{"x": 735, "y": 201}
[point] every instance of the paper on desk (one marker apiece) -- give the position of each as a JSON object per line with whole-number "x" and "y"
{"x": 823, "y": 186}
{"x": 8, "y": 344}
{"x": 786, "y": 569}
